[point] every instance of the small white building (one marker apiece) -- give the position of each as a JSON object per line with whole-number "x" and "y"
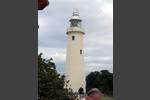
{"x": 74, "y": 68}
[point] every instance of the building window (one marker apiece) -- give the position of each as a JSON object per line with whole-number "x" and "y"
{"x": 73, "y": 37}
{"x": 80, "y": 51}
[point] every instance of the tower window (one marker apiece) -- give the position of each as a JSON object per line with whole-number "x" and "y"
{"x": 80, "y": 51}
{"x": 73, "y": 37}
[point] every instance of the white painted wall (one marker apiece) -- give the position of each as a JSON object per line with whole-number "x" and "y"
{"x": 74, "y": 68}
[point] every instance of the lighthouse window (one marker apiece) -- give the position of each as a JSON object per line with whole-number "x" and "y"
{"x": 74, "y": 23}
{"x": 73, "y": 37}
{"x": 80, "y": 51}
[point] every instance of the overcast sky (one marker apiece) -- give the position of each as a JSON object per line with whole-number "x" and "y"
{"x": 97, "y": 21}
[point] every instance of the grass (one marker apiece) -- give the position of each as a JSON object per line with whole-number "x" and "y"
{"x": 107, "y": 98}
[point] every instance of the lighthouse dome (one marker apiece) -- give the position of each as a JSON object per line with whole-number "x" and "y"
{"x": 75, "y": 16}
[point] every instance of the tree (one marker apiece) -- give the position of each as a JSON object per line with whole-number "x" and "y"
{"x": 50, "y": 83}
{"x": 102, "y": 80}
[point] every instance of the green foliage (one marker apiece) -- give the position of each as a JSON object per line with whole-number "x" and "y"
{"x": 50, "y": 83}
{"x": 102, "y": 80}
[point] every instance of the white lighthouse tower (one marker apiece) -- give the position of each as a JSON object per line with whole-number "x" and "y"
{"x": 74, "y": 68}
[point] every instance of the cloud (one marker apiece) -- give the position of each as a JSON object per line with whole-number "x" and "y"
{"x": 97, "y": 16}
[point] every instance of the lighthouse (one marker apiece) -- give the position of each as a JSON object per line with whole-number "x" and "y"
{"x": 74, "y": 68}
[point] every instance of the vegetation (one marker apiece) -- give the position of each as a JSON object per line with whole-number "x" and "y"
{"x": 50, "y": 83}
{"x": 102, "y": 80}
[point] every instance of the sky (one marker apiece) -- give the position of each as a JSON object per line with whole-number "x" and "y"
{"x": 97, "y": 21}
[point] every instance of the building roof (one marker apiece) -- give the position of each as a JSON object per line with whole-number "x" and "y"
{"x": 75, "y": 15}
